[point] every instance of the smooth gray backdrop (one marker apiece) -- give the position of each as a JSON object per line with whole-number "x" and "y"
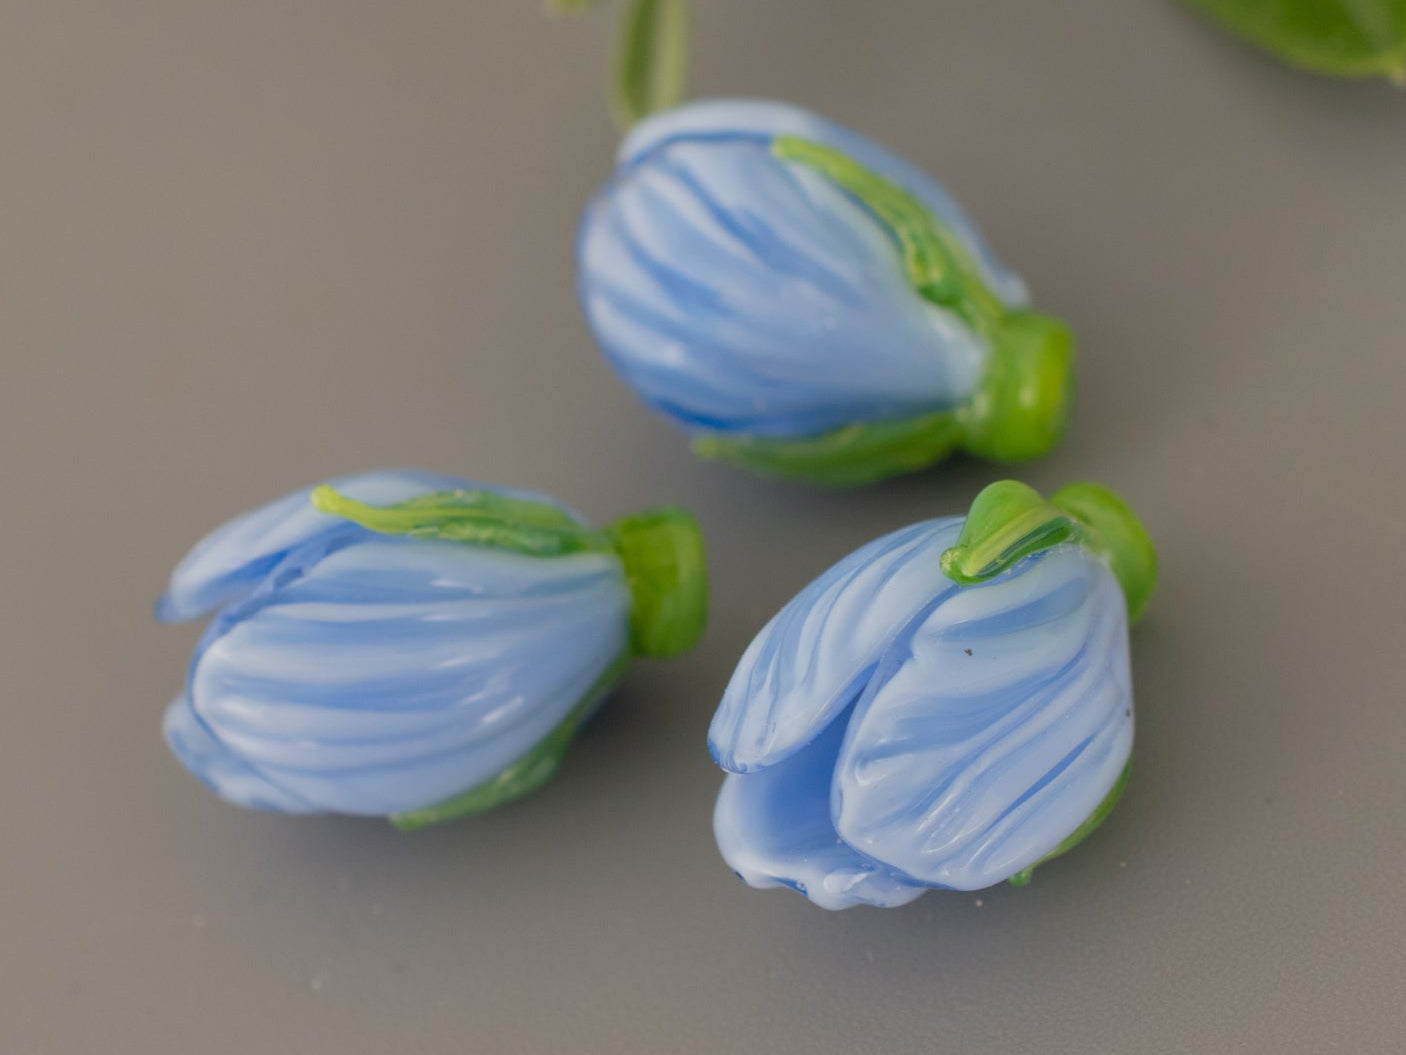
{"x": 245, "y": 246}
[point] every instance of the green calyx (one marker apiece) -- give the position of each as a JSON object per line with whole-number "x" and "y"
{"x": 1079, "y": 834}
{"x": 1009, "y": 521}
{"x": 1109, "y": 527}
{"x": 661, "y": 549}
{"x": 1019, "y": 410}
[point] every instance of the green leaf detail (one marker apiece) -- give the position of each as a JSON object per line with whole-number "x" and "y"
{"x": 1079, "y": 834}
{"x": 1009, "y": 521}
{"x": 651, "y": 62}
{"x": 937, "y": 262}
{"x": 1346, "y": 38}
{"x": 479, "y": 518}
{"x": 525, "y": 775}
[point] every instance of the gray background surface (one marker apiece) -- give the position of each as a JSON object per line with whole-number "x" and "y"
{"x": 247, "y": 246}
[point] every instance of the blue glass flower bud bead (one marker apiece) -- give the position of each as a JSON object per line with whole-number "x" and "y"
{"x": 947, "y": 707}
{"x": 416, "y": 646}
{"x": 805, "y": 303}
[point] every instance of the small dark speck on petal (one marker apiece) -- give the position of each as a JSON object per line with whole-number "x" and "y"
{"x": 967, "y": 651}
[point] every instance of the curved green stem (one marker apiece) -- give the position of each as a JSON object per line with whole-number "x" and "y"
{"x": 651, "y": 60}
{"x": 661, "y": 550}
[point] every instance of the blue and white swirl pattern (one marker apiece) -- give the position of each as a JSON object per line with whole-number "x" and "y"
{"x": 885, "y": 739}
{"x": 371, "y": 674}
{"x": 740, "y": 293}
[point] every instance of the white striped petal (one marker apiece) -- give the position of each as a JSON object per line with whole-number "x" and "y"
{"x": 814, "y": 657}
{"x": 994, "y": 727}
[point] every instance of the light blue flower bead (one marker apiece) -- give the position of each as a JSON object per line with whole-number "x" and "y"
{"x": 804, "y": 302}
{"x": 413, "y": 645}
{"x": 947, "y": 707}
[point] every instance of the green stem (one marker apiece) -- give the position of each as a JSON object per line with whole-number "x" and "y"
{"x": 651, "y": 60}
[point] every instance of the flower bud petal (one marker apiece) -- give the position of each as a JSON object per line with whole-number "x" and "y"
{"x": 805, "y": 303}
{"x": 814, "y": 657}
{"x": 995, "y": 728}
{"x": 218, "y": 768}
{"x": 394, "y": 672}
{"x": 774, "y": 829}
{"x": 721, "y": 117}
{"x": 235, "y": 557}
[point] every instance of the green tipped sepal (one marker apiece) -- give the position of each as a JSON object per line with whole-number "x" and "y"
{"x": 1009, "y": 521}
{"x": 479, "y": 518}
{"x": 665, "y": 566}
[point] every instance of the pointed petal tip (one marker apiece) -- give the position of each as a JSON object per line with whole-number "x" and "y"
{"x": 167, "y": 611}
